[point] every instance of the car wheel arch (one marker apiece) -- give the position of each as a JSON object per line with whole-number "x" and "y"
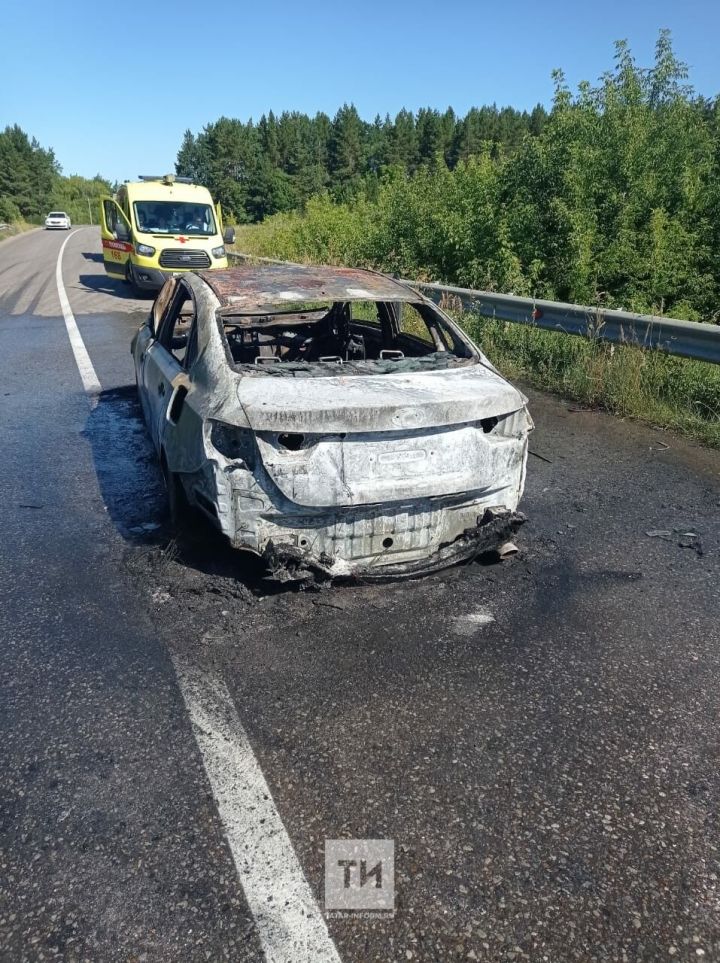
{"x": 176, "y": 496}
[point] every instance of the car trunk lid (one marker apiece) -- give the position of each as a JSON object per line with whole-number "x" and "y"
{"x": 362, "y": 440}
{"x": 388, "y": 402}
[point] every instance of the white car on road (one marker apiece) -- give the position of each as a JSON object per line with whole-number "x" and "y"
{"x": 57, "y": 221}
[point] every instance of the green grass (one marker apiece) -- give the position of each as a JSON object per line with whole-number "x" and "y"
{"x": 629, "y": 382}
{"x": 15, "y": 227}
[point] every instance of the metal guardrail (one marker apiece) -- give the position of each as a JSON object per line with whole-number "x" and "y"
{"x": 687, "y": 339}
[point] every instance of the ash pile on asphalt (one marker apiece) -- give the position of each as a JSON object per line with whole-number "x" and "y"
{"x": 209, "y": 599}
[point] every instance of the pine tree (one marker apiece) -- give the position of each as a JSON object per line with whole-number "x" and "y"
{"x": 189, "y": 161}
{"x": 345, "y": 147}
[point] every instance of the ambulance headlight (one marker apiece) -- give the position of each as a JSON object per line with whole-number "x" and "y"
{"x": 144, "y": 250}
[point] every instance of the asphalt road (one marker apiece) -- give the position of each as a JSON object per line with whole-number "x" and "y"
{"x": 539, "y": 737}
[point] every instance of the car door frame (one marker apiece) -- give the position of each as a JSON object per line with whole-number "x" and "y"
{"x": 116, "y": 251}
{"x": 163, "y": 375}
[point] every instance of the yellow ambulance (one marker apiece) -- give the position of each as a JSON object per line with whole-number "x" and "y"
{"x": 160, "y": 226}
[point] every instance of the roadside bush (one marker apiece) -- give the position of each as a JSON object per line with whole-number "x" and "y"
{"x": 615, "y": 202}
{"x": 9, "y": 211}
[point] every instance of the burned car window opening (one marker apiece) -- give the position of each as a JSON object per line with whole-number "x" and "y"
{"x": 357, "y": 335}
{"x": 177, "y": 325}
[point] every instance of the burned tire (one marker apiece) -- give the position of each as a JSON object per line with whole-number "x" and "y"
{"x": 184, "y": 518}
{"x": 178, "y": 506}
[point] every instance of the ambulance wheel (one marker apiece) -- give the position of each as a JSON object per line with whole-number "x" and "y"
{"x": 130, "y": 279}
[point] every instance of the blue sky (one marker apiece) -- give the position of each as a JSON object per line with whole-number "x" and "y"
{"x": 112, "y": 87}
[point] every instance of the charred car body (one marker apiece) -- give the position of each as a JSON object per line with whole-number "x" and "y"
{"x": 330, "y": 420}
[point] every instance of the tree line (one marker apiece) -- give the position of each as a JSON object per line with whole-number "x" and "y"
{"x": 31, "y": 182}
{"x": 277, "y": 164}
{"x": 613, "y": 200}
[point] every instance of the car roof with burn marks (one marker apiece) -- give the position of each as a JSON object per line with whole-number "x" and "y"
{"x": 253, "y": 287}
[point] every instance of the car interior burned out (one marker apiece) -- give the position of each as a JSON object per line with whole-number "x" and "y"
{"x": 316, "y": 338}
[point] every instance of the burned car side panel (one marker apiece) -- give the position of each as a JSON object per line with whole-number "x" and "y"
{"x": 387, "y": 454}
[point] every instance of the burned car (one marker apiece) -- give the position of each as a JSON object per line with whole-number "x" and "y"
{"x": 332, "y": 421}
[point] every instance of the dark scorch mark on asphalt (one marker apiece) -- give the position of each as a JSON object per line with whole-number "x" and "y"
{"x": 538, "y": 737}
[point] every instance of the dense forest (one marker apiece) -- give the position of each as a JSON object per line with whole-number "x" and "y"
{"x": 279, "y": 163}
{"x": 612, "y": 198}
{"x": 31, "y": 183}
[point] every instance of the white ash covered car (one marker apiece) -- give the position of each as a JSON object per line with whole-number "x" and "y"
{"x": 333, "y": 421}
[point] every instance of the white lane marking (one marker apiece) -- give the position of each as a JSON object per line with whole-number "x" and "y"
{"x": 289, "y": 922}
{"x": 90, "y": 381}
